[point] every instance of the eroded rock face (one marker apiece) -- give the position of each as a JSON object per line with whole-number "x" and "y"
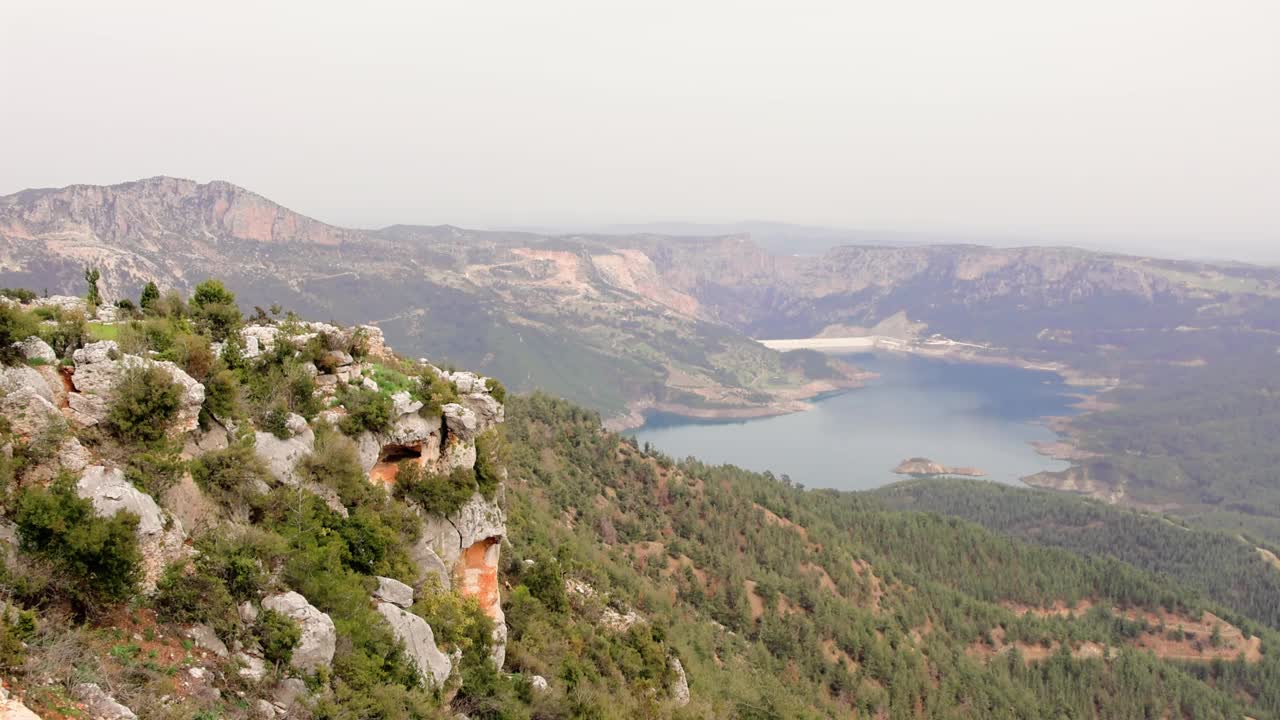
{"x": 98, "y": 372}
{"x": 160, "y": 540}
{"x": 420, "y": 642}
{"x": 469, "y": 544}
{"x": 29, "y": 414}
{"x": 319, "y": 638}
{"x": 282, "y": 456}
{"x": 19, "y": 377}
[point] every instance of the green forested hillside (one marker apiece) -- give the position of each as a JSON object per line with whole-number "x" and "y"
{"x": 791, "y": 603}
{"x": 1229, "y": 569}
{"x": 200, "y": 526}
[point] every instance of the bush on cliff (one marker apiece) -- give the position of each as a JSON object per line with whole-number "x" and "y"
{"x": 367, "y": 410}
{"x": 436, "y": 494}
{"x": 146, "y": 402}
{"x": 97, "y": 559}
{"x": 230, "y": 475}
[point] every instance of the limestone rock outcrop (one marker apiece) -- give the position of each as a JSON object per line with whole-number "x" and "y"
{"x": 282, "y": 455}
{"x": 393, "y": 591}
{"x": 319, "y": 637}
{"x": 160, "y": 538}
{"x": 679, "y": 689}
{"x": 468, "y": 543}
{"x": 33, "y": 348}
{"x": 29, "y": 413}
{"x": 100, "y": 366}
{"x": 99, "y": 704}
{"x": 21, "y": 377}
{"x": 420, "y": 642}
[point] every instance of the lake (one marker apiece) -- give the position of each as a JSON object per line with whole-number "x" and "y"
{"x": 981, "y": 416}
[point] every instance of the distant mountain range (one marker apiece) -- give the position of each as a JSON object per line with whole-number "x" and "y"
{"x": 627, "y": 323}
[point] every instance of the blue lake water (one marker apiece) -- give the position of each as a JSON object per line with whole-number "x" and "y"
{"x": 980, "y": 416}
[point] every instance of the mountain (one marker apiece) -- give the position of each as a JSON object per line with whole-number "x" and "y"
{"x": 205, "y": 517}
{"x": 1176, "y": 361}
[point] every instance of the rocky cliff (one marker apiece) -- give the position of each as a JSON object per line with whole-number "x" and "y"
{"x": 284, "y": 411}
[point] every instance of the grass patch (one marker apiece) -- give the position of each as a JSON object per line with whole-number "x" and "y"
{"x": 101, "y": 331}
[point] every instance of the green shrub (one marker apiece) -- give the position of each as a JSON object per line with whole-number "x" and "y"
{"x": 98, "y": 558}
{"x": 241, "y": 560}
{"x": 434, "y": 392}
{"x": 436, "y": 494}
{"x": 188, "y": 596}
{"x": 279, "y": 635}
{"x": 491, "y": 459}
{"x": 214, "y": 309}
{"x": 68, "y": 332}
{"x": 150, "y": 294}
{"x": 155, "y": 470}
{"x": 366, "y": 410}
{"x": 229, "y": 475}
{"x": 146, "y": 402}
{"x": 496, "y": 389}
{"x": 193, "y": 354}
{"x": 276, "y": 422}
{"x": 222, "y": 394}
{"x": 15, "y": 326}
{"x": 335, "y": 463}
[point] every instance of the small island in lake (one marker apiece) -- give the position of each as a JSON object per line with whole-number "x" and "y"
{"x": 920, "y": 467}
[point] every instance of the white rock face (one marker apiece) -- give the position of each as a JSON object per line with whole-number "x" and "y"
{"x": 680, "y": 685}
{"x": 420, "y": 642}
{"x": 282, "y": 456}
{"x": 429, "y": 564}
{"x": 319, "y": 638}
{"x": 393, "y": 591}
{"x": 29, "y": 413}
{"x": 253, "y": 668}
{"x": 474, "y": 522}
{"x": 97, "y": 375}
{"x": 19, "y": 377}
{"x": 461, "y": 422}
{"x": 111, "y": 493}
{"x": 33, "y": 348}
{"x": 538, "y": 683}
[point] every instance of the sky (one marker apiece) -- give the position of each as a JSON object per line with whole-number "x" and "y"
{"x": 1149, "y": 125}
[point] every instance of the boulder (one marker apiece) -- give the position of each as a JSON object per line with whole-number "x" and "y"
{"x": 315, "y": 649}
{"x": 420, "y": 642}
{"x": 19, "y": 377}
{"x": 369, "y": 384}
{"x": 206, "y": 639}
{"x": 33, "y": 348}
{"x": 247, "y": 612}
{"x": 107, "y": 313}
{"x": 11, "y": 708}
{"x": 30, "y": 414}
{"x": 393, "y": 591}
{"x": 161, "y": 542}
{"x": 489, "y": 412}
{"x": 402, "y": 403}
{"x": 538, "y": 683}
{"x": 262, "y": 337}
{"x": 282, "y": 456}
{"x": 375, "y": 345}
{"x": 99, "y": 368}
{"x": 72, "y": 456}
{"x": 99, "y": 704}
{"x": 461, "y": 421}
{"x": 252, "y": 667}
{"x": 288, "y": 693}
{"x": 264, "y": 710}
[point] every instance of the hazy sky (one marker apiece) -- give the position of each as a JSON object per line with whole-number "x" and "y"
{"x": 1153, "y": 123}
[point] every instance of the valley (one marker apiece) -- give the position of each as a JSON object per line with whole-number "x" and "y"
{"x": 645, "y": 325}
